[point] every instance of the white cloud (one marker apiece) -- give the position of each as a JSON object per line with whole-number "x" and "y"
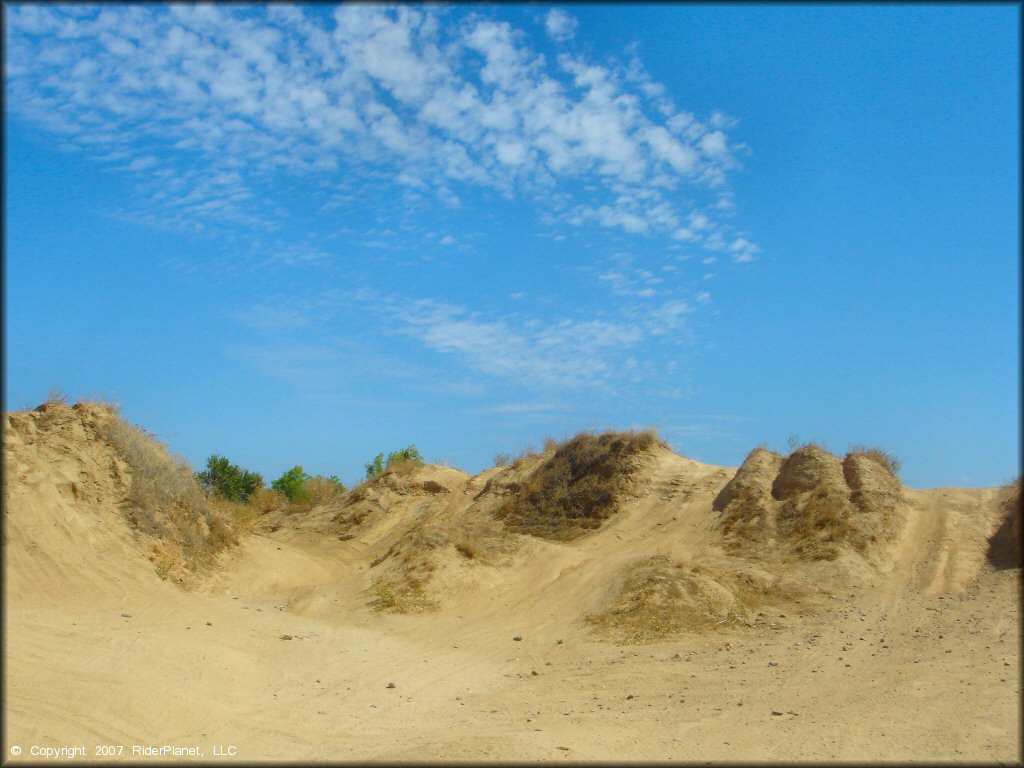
{"x": 713, "y": 145}
{"x": 560, "y": 25}
{"x": 668, "y": 317}
{"x": 743, "y": 250}
{"x": 558, "y": 353}
{"x": 401, "y": 90}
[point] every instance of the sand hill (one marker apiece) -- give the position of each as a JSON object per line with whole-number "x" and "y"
{"x": 606, "y": 599}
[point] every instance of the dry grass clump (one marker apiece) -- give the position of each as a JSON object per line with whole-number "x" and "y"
{"x": 659, "y": 597}
{"x": 410, "y": 564}
{"x": 578, "y": 486}
{"x": 56, "y": 396}
{"x": 267, "y": 500}
{"x": 164, "y": 502}
{"x": 392, "y": 598}
{"x": 244, "y": 517}
{"x": 316, "y": 492}
{"x": 884, "y": 459}
{"x": 816, "y": 524}
{"x": 748, "y": 518}
{"x": 746, "y": 504}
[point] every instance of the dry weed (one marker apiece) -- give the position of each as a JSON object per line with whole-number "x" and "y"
{"x": 578, "y": 486}
{"x": 56, "y": 396}
{"x": 659, "y": 597}
{"x": 391, "y": 598}
{"x": 267, "y": 500}
{"x": 164, "y": 502}
{"x": 884, "y": 459}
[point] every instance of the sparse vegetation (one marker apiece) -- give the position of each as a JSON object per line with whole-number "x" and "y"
{"x": 749, "y": 518}
{"x": 578, "y": 486}
{"x": 318, "y": 490}
{"x": 883, "y": 458}
{"x": 810, "y": 503}
{"x": 266, "y": 500}
{"x": 228, "y": 480}
{"x": 164, "y": 502}
{"x": 816, "y": 524}
{"x": 795, "y": 444}
{"x": 393, "y": 599}
{"x": 408, "y": 456}
{"x": 502, "y": 459}
{"x": 56, "y": 397}
{"x": 660, "y": 597}
{"x": 375, "y": 466}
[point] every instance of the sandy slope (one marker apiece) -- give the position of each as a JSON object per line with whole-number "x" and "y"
{"x": 277, "y": 654}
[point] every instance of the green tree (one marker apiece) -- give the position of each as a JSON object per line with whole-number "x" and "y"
{"x": 375, "y": 466}
{"x": 291, "y": 483}
{"x": 228, "y": 480}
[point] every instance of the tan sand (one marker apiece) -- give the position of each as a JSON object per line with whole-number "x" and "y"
{"x": 909, "y": 651}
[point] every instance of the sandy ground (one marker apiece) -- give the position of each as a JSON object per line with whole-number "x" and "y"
{"x": 276, "y": 656}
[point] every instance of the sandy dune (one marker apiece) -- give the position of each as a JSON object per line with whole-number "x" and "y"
{"x": 907, "y": 648}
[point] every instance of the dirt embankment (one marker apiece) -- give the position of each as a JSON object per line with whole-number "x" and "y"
{"x": 604, "y": 599}
{"x": 81, "y": 484}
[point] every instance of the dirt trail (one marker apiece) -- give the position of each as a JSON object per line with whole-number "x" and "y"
{"x": 278, "y": 654}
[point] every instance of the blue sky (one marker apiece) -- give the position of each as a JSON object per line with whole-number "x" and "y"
{"x": 306, "y": 234}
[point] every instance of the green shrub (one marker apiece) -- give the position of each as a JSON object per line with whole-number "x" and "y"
{"x": 401, "y": 457}
{"x": 375, "y": 466}
{"x": 292, "y": 483}
{"x": 394, "y": 459}
{"x": 228, "y": 480}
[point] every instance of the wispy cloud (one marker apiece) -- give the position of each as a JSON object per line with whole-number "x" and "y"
{"x": 562, "y": 353}
{"x": 204, "y": 104}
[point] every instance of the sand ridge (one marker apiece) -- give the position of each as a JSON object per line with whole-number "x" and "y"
{"x": 908, "y": 650}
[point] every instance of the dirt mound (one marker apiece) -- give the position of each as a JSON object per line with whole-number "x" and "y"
{"x": 865, "y": 474}
{"x": 574, "y": 489}
{"x": 805, "y": 470}
{"x": 752, "y": 480}
{"x": 410, "y": 486}
{"x": 1004, "y": 547}
{"x": 811, "y": 504}
{"x": 746, "y": 503}
{"x": 416, "y": 523}
{"x": 98, "y": 464}
{"x": 660, "y": 596}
